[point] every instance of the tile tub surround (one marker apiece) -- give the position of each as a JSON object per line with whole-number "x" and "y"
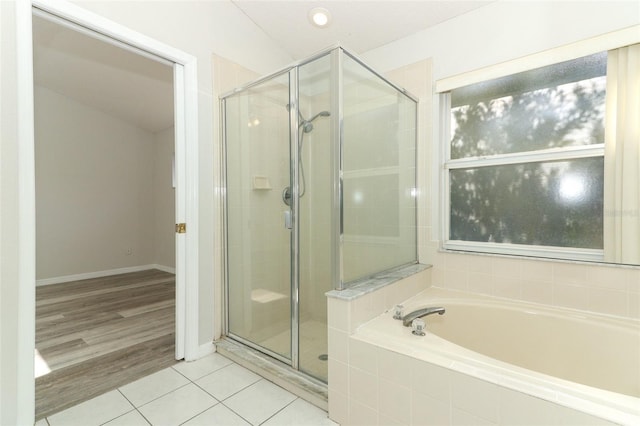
{"x": 346, "y": 313}
{"x": 371, "y": 384}
{"x": 600, "y": 288}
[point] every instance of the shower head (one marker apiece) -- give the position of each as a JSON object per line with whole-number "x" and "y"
{"x": 307, "y": 125}
{"x": 320, "y": 114}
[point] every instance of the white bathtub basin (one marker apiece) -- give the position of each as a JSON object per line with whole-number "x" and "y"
{"x": 587, "y": 362}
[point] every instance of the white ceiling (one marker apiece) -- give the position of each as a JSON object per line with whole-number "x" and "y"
{"x": 356, "y": 25}
{"x": 139, "y": 90}
{"x": 111, "y": 79}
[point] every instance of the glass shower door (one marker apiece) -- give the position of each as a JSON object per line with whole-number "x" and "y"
{"x": 258, "y": 239}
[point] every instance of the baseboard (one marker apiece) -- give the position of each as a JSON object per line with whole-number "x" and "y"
{"x": 163, "y": 268}
{"x": 100, "y": 274}
{"x": 206, "y": 349}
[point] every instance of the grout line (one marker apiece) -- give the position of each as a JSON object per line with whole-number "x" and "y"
{"x": 236, "y": 413}
{"x": 196, "y": 415}
{"x": 274, "y": 414}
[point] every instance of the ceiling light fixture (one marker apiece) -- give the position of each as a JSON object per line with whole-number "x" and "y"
{"x": 320, "y": 17}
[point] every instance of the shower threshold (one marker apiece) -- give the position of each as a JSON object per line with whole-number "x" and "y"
{"x": 296, "y": 382}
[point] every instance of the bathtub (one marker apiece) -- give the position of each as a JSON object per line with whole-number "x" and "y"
{"x": 589, "y": 363}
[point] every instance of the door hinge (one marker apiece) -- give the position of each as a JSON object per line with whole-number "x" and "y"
{"x": 181, "y": 228}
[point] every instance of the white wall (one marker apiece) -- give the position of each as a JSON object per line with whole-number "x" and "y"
{"x": 488, "y": 36}
{"x": 94, "y": 189}
{"x": 502, "y": 31}
{"x": 164, "y": 199}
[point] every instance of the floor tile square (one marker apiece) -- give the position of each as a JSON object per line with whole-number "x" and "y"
{"x": 96, "y": 411}
{"x": 259, "y": 401}
{"x": 218, "y": 415}
{"x": 200, "y": 368}
{"x": 132, "y": 418}
{"x": 228, "y": 380}
{"x": 153, "y": 386}
{"x": 178, "y": 406}
{"x": 300, "y": 413}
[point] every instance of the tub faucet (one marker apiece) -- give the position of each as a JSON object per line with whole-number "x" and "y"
{"x": 407, "y": 319}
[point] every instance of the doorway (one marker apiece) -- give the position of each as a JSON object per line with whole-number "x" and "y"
{"x": 105, "y": 214}
{"x": 185, "y": 174}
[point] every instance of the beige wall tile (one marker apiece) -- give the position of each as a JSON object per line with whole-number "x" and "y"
{"x": 338, "y": 345}
{"x": 395, "y": 367}
{"x": 338, "y": 407}
{"x": 363, "y": 387}
{"x": 361, "y": 415}
{"x": 363, "y": 356}
{"x": 571, "y": 296}
{"x": 608, "y": 301}
{"x": 428, "y": 411}
{"x": 474, "y": 396}
{"x": 431, "y": 380}
{"x": 394, "y": 401}
{"x": 339, "y": 314}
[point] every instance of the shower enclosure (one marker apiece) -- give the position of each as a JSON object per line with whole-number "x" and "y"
{"x": 320, "y": 192}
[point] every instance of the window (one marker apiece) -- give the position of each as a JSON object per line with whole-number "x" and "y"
{"x": 525, "y": 162}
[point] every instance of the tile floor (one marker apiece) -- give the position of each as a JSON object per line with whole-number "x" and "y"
{"x": 211, "y": 391}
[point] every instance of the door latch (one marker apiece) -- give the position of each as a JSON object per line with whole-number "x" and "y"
{"x": 181, "y": 228}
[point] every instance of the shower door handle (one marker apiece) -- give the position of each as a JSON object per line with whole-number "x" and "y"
{"x": 288, "y": 221}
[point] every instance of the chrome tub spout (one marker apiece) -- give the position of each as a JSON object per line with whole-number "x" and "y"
{"x": 407, "y": 319}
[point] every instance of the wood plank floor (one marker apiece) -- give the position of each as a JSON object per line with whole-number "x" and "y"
{"x": 96, "y": 335}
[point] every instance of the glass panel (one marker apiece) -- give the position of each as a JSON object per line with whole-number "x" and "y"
{"x": 556, "y": 106}
{"x": 259, "y": 258}
{"x": 315, "y": 211}
{"x": 378, "y": 174}
{"x": 550, "y": 204}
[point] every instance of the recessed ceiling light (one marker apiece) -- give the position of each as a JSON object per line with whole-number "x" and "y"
{"x": 320, "y": 17}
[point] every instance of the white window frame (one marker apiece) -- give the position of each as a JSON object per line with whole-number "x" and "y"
{"x": 608, "y": 41}
{"x": 546, "y": 155}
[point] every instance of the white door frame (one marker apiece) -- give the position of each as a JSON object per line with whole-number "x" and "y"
{"x": 186, "y": 177}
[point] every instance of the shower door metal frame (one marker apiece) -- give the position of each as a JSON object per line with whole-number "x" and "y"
{"x": 294, "y": 165}
{"x": 294, "y": 248}
{"x": 337, "y": 58}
